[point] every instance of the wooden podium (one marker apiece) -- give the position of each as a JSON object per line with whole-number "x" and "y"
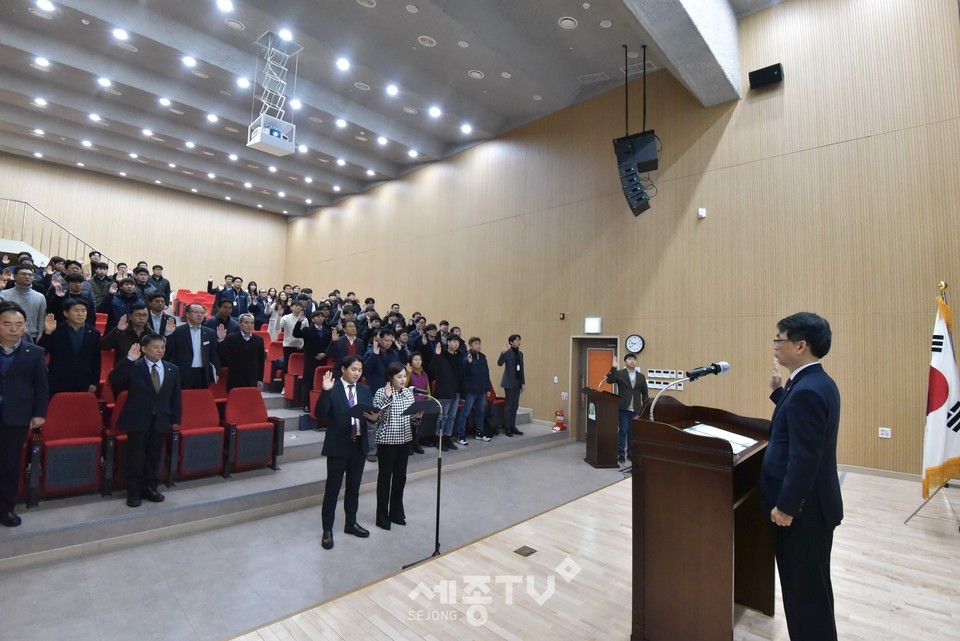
{"x": 700, "y": 540}
{"x": 602, "y": 428}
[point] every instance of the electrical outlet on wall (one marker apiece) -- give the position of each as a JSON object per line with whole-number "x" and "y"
{"x": 885, "y": 432}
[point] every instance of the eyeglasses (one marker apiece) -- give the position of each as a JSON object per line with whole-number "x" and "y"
{"x": 777, "y": 341}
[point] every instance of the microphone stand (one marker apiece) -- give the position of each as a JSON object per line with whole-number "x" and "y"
{"x": 436, "y": 534}
{"x": 629, "y": 470}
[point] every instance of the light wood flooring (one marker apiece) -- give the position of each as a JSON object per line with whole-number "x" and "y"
{"x": 891, "y": 581}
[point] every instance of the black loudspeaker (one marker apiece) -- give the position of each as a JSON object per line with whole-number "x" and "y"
{"x": 767, "y": 76}
{"x": 636, "y": 154}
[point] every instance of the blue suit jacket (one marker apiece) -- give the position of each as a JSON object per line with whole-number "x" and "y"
{"x": 800, "y": 461}
{"x": 333, "y": 406}
{"x": 25, "y": 386}
{"x": 143, "y": 402}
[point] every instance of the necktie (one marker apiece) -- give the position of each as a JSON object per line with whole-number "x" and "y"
{"x": 788, "y": 385}
{"x": 354, "y": 423}
{"x": 155, "y": 377}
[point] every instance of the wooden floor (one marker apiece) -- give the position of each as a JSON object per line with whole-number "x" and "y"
{"x": 891, "y": 581}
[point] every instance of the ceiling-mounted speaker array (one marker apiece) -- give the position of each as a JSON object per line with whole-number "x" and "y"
{"x": 636, "y": 155}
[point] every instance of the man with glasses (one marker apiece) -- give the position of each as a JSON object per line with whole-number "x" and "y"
{"x": 799, "y": 487}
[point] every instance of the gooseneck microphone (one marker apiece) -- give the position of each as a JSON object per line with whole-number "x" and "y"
{"x": 420, "y": 391}
{"x": 713, "y": 368}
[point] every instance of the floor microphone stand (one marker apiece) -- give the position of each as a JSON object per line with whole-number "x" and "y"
{"x": 436, "y": 535}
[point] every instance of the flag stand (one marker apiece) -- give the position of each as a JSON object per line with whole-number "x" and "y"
{"x": 955, "y": 520}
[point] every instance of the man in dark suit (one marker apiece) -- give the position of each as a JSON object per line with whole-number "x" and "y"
{"x": 160, "y": 322}
{"x": 799, "y": 487}
{"x": 23, "y": 401}
{"x": 74, "y": 349}
{"x": 512, "y": 382}
{"x": 633, "y": 393}
{"x": 193, "y": 349}
{"x": 345, "y": 445}
{"x": 347, "y": 345}
{"x": 152, "y": 409}
{"x": 244, "y": 355}
{"x": 316, "y": 340}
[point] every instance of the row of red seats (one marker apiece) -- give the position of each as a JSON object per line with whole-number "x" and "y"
{"x": 76, "y": 450}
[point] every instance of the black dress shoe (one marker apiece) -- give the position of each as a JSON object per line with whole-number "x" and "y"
{"x": 357, "y": 530}
{"x": 383, "y": 523}
{"x": 152, "y": 495}
{"x": 327, "y": 541}
{"x": 9, "y": 519}
{"x": 622, "y": 459}
{"x": 400, "y": 521}
{"x": 508, "y": 431}
{"x": 133, "y": 501}
{"x": 417, "y": 449}
{"x": 517, "y": 432}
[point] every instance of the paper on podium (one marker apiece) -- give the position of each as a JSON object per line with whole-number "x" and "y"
{"x": 737, "y": 442}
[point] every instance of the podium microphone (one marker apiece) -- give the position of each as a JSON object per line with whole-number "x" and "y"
{"x": 713, "y": 368}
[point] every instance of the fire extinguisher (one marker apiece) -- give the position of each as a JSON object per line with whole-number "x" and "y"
{"x": 560, "y": 423}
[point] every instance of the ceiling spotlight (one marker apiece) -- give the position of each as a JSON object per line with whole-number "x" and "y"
{"x": 212, "y": 117}
{"x": 147, "y": 133}
{"x": 211, "y": 175}
{"x": 302, "y": 149}
{"x": 272, "y": 169}
{"x": 39, "y": 132}
{"x": 243, "y": 83}
{"x": 336, "y": 187}
{"x": 37, "y": 154}
{"x": 40, "y": 102}
{"x": 435, "y": 112}
{"x": 340, "y": 122}
{"x": 226, "y": 197}
{"x": 86, "y": 143}
{"x": 45, "y": 5}
{"x": 281, "y": 194}
{"x": 343, "y": 64}
{"x": 193, "y": 189}
{"x": 295, "y": 103}
{"x": 104, "y": 82}
{"x": 248, "y": 185}
{"x": 190, "y": 145}
{"x": 80, "y": 164}
{"x": 412, "y": 153}
{"x": 232, "y": 156}
{"x": 165, "y": 102}
{"x": 259, "y": 206}
{"x": 189, "y": 61}
{"x": 120, "y": 34}
{"x": 133, "y": 155}
{"x": 341, "y": 162}
{"x": 172, "y": 165}
{"x": 382, "y": 140}
{"x": 285, "y": 211}
{"x": 158, "y": 182}
{"x": 371, "y": 172}
{"x": 466, "y": 128}
{"x": 41, "y": 62}
{"x": 392, "y": 90}
{"x": 285, "y": 34}
{"x": 95, "y": 117}
{"x": 123, "y": 173}
{"x": 225, "y": 5}
{"x": 308, "y": 180}
{"x": 308, "y": 201}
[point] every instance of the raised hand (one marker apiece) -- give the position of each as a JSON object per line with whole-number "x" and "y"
{"x": 388, "y": 390}
{"x": 171, "y": 325}
{"x": 221, "y": 333}
{"x": 58, "y": 289}
{"x": 439, "y": 349}
{"x": 112, "y": 290}
{"x": 328, "y": 381}
{"x": 775, "y": 379}
{"x": 49, "y": 324}
{"x": 5, "y": 260}
{"x": 614, "y": 362}
{"x": 469, "y": 357}
{"x": 134, "y": 352}
{"x": 334, "y": 334}
{"x": 376, "y": 349}
{"x": 122, "y": 323}
{"x": 409, "y": 369}
{"x": 423, "y": 339}
{"x": 506, "y": 346}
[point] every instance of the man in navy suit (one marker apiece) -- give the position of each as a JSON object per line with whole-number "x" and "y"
{"x": 345, "y": 445}
{"x": 799, "y": 487}
{"x": 193, "y": 349}
{"x": 152, "y": 409}
{"x": 74, "y": 349}
{"x": 23, "y": 401}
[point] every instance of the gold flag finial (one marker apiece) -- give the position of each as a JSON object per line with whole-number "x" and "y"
{"x": 942, "y": 286}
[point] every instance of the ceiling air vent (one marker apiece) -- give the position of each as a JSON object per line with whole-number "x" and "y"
{"x": 591, "y": 78}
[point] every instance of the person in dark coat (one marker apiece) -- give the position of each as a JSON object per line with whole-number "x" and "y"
{"x": 74, "y": 349}
{"x": 244, "y": 355}
{"x": 316, "y": 339}
{"x": 193, "y": 349}
{"x": 476, "y": 382}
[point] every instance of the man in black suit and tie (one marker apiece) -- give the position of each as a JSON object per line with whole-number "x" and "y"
{"x": 632, "y": 389}
{"x": 160, "y": 322}
{"x": 152, "y": 409}
{"x": 799, "y": 487}
{"x": 74, "y": 349}
{"x": 342, "y": 346}
{"x": 512, "y": 382}
{"x": 193, "y": 349}
{"x": 345, "y": 445}
{"x": 243, "y": 355}
{"x": 23, "y": 401}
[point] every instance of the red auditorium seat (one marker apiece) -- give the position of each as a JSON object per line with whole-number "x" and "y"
{"x": 219, "y": 389}
{"x": 101, "y": 322}
{"x": 71, "y": 444}
{"x": 113, "y": 441}
{"x": 316, "y": 391}
{"x": 106, "y": 365}
{"x": 197, "y": 446}
{"x": 253, "y": 438}
{"x": 291, "y": 380}
{"x": 274, "y": 353}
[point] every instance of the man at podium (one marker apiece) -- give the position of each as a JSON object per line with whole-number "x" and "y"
{"x": 633, "y": 393}
{"x": 799, "y": 487}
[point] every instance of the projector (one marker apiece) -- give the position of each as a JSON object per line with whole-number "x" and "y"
{"x": 272, "y": 135}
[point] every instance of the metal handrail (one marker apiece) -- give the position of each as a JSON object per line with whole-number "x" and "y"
{"x": 43, "y": 233}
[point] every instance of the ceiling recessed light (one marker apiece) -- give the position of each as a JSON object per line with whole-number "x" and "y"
{"x": 226, "y": 197}
{"x": 104, "y": 82}
{"x": 45, "y": 5}
{"x": 165, "y": 102}
{"x": 120, "y": 34}
{"x": 506, "y": 74}
{"x": 147, "y": 133}
{"x": 234, "y": 24}
{"x": 466, "y": 128}
{"x": 211, "y": 175}
{"x": 86, "y": 143}
{"x": 567, "y": 23}
{"x": 463, "y": 44}
{"x": 341, "y": 123}
{"x": 392, "y": 90}
{"x": 362, "y": 86}
{"x": 248, "y": 185}
{"x": 476, "y": 74}
{"x": 308, "y": 201}
{"x": 126, "y": 46}
{"x": 285, "y": 34}
{"x": 285, "y": 211}
{"x": 80, "y": 164}
{"x": 295, "y": 103}
{"x": 232, "y": 156}
{"x": 172, "y": 165}
{"x": 40, "y": 102}
{"x": 37, "y": 154}
{"x": 123, "y": 173}
{"x": 158, "y": 182}
{"x": 537, "y": 97}
{"x": 336, "y": 187}
{"x": 259, "y": 206}
{"x": 190, "y": 145}
{"x": 371, "y": 172}
{"x": 94, "y": 117}
{"x": 281, "y": 194}
{"x": 412, "y": 153}
{"x": 225, "y": 5}
{"x": 38, "y": 132}
{"x": 606, "y": 24}
{"x": 212, "y": 117}
{"x": 343, "y": 64}
{"x": 308, "y": 179}
{"x": 412, "y": 8}
{"x": 243, "y": 83}
{"x": 435, "y": 112}
{"x": 427, "y": 41}
{"x": 41, "y": 62}
{"x": 189, "y": 61}
{"x": 302, "y": 149}
{"x": 133, "y": 155}
{"x": 193, "y": 189}
{"x": 410, "y": 110}
{"x": 341, "y": 162}
{"x": 272, "y": 169}
{"x": 381, "y": 140}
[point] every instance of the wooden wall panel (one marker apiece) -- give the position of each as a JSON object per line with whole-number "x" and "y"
{"x": 191, "y": 237}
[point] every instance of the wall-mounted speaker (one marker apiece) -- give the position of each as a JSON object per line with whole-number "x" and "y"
{"x": 767, "y": 76}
